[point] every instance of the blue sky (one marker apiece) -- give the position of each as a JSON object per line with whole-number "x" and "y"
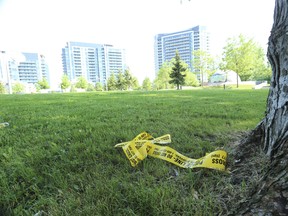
{"x": 46, "y": 25}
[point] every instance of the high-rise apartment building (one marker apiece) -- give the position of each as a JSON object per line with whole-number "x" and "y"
{"x": 27, "y": 68}
{"x": 33, "y": 68}
{"x": 95, "y": 62}
{"x": 165, "y": 45}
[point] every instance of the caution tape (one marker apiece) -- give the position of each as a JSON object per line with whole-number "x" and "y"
{"x": 4, "y": 124}
{"x": 143, "y": 145}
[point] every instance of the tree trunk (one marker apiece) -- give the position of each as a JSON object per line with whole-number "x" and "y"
{"x": 276, "y": 120}
{"x": 270, "y": 196}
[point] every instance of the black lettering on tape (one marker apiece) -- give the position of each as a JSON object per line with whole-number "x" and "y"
{"x": 169, "y": 156}
{"x": 128, "y": 153}
{"x": 156, "y": 152}
{"x": 198, "y": 162}
{"x": 219, "y": 161}
{"x": 148, "y": 149}
{"x": 215, "y": 155}
{"x": 178, "y": 161}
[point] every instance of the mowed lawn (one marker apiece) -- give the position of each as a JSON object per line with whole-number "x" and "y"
{"x": 57, "y": 156}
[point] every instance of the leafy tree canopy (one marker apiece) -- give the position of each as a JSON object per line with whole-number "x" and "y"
{"x": 65, "y": 82}
{"x": 135, "y": 83}
{"x": 90, "y": 87}
{"x": 121, "y": 82}
{"x": 18, "y": 87}
{"x": 203, "y": 64}
{"x": 128, "y": 83}
{"x": 191, "y": 79}
{"x": 2, "y": 88}
{"x": 81, "y": 83}
{"x": 42, "y": 84}
{"x": 147, "y": 85}
{"x": 112, "y": 83}
{"x": 163, "y": 76}
{"x": 99, "y": 86}
{"x": 245, "y": 57}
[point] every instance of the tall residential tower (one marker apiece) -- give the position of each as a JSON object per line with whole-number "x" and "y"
{"x": 95, "y": 62}
{"x": 165, "y": 45}
{"x": 26, "y": 68}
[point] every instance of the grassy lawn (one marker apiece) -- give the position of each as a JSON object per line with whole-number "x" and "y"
{"x": 58, "y": 157}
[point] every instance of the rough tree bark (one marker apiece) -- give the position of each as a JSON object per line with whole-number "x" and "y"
{"x": 270, "y": 196}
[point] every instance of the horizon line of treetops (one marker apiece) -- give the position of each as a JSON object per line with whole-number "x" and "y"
{"x": 241, "y": 54}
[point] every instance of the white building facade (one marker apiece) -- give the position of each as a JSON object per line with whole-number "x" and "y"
{"x": 25, "y": 68}
{"x": 165, "y": 45}
{"x": 95, "y": 62}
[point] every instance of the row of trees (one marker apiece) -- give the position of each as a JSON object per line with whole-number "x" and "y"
{"x": 119, "y": 81}
{"x": 122, "y": 81}
{"x": 19, "y": 87}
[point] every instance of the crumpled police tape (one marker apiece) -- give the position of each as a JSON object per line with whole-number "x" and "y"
{"x": 4, "y": 124}
{"x": 142, "y": 145}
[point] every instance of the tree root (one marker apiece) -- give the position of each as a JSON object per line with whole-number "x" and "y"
{"x": 267, "y": 178}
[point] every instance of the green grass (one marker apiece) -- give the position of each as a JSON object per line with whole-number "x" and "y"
{"x": 58, "y": 156}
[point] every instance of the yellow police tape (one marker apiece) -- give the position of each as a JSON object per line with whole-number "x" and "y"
{"x": 142, "y": 145}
